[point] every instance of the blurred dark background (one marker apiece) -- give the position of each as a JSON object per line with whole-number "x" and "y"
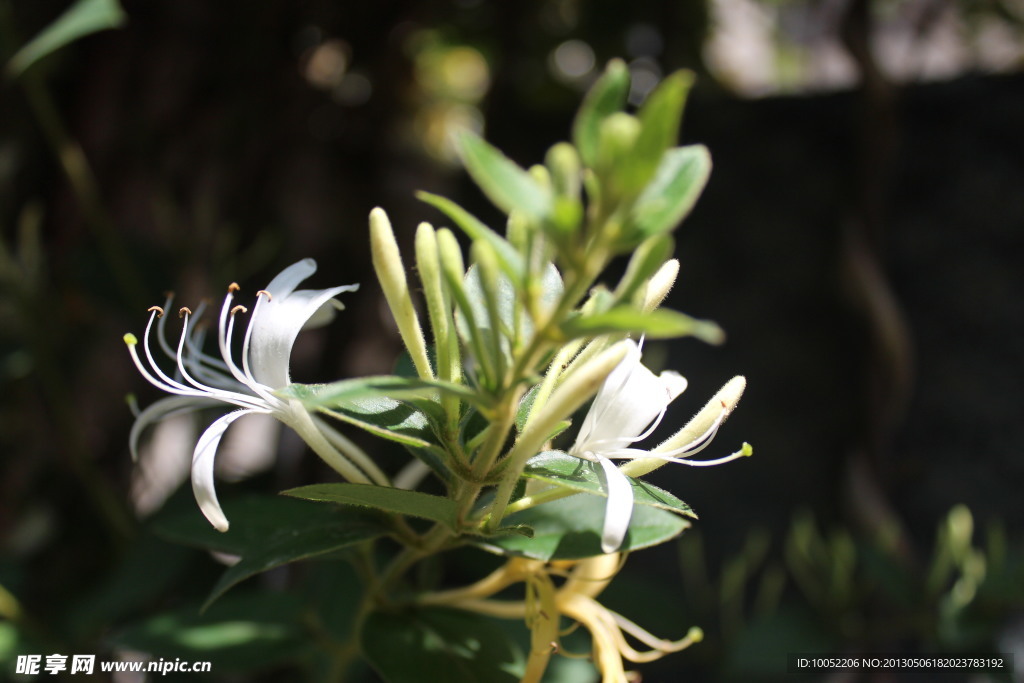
{"x": 860, "y": 241}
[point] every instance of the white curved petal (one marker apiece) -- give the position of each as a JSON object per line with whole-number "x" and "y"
{"x": 202, "y": 468}
{"x": 629, "y": 400}
{"x": 620, "y": 506}
{"x": 288, "y": 279}
{"x": 279, "y": 319}
{"x": 159, "y": 410}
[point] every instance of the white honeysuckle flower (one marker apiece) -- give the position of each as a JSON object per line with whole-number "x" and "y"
{"x": 200, "y": 380}
{"x": 628, "y": 408}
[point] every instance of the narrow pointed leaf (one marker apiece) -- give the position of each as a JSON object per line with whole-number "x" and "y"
{"x": 662, "y": 323}
{"x": 396, "y": 501}
{"x": 660, "y": 117}
{"x": 381, "y": 386}
{"x": 511, "y": 261}
{"x": 503, "y": 181}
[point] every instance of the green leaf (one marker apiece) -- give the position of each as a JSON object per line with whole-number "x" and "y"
{"x": 239, "y": 633}
{"x": 458, "y": 646}
{"x": 397, "y": 501}
{"x": 81, "y": 19}
{"x": 291, "y": 544}
{"x": 570, "y": 529}
{"x": 503, "y": 181}
{"x": 255, "y": 520}
{"x": 380, "y": 386}
{"x": 660, "y": 117}
{"x": 510, "y": 260}
{"x": 662, "y": 323}
{"x": 387, "y": 418}
{"x": 269, "y": 531}
{"x": 607, "y": 96}
{"x": 562, "y": 469}
{"x": 677, "y": 184}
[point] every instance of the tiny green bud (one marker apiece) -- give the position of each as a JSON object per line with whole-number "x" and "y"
{"x": 618, "y": 137}
{"x": 541, "y": 175}
{"x": 563, "y": 162}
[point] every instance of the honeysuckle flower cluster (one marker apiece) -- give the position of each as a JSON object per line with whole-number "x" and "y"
{"x": 503, "y": 353}
{"x": 198, "y": 380}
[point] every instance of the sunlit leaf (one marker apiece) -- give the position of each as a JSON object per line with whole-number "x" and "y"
{"x": 388, "y": 386}
{"x": 503, "y": 181}
{"x": 562, "y": 469}
{"x": 676, "y": 185}
{"x": 571, "y": 528}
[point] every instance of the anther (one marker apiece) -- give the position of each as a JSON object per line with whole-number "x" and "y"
{"x": 554, "y": 647}
{"x": 183, "y": 311}
{"x": 263, "y": 291}
{"x": 159, "y": 311}
{"x": 239, "y": 309}
{"x": 233, "y": 287}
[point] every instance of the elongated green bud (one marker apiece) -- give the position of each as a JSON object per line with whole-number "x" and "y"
{"x": 387, "y": 262}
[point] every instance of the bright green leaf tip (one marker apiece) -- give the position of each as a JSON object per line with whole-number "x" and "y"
{"x": 130, "y": 339}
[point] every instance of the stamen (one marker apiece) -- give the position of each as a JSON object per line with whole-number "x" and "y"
{"x": 250, "y": 378}
{"x": 744, "y": 452}
{"x": 183, "y": 311}
{"x": 159, "y": 311}
{"x": 222, "y": 394}
{"x": 224, "y": 330}
{"x": 239, "y": 309}
{"x": 263, "y": 291}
